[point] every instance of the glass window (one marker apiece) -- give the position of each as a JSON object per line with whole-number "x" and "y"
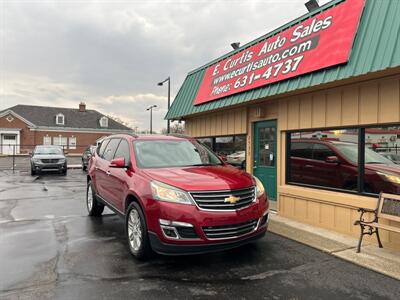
{"x": 47, "y": 140}
{"x": 381, "y": 168}
{"x": 232, "y": 149}
{"x": 123, "y": 151}
{"x": 110, "y": 149}
{"x": 327, "y": 158}
{"x": 167, "y": 153}
{"x": 72, "y": 142}
{"x": 209, "y": 142}
{"x": 102, "y": 146}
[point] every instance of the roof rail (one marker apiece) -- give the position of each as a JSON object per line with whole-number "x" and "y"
{"x": 179, "y": 135}
{"x": 133, "y": 135}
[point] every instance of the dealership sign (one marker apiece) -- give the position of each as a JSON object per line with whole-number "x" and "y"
{"x": 319, "y": 42}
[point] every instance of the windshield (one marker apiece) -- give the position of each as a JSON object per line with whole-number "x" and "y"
{"x": 48, "y": 150}
{"x": 167, "y": 153}
{"x": 371, "y": 157}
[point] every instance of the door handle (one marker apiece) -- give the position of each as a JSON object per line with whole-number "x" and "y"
{"x": 96, "y": 168}
{"x": 108, "y": 173}
{"x": 309, "y": 166}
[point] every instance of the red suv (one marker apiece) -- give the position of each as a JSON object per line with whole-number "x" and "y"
{"x": 176, "y": 196}
{"x": 334, "y": 164}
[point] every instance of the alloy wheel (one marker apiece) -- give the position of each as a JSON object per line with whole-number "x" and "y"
{"x": 134, "y": 230}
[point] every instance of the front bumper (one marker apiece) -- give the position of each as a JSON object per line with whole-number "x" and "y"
{"x": 189, "y": 249}
{"x": 186, "y": 229}
{"x": 49, "y": 167}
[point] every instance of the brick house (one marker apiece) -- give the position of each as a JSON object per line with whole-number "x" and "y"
{"x": 24, "y": 126}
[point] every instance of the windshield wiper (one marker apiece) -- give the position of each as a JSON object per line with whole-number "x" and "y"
{"x": 375, "y": 162}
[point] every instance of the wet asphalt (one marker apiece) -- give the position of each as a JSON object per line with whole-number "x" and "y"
{"x": 50, "y": 249}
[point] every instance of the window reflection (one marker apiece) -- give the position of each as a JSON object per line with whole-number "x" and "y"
{"x": 382, "y": 158}
{"x": 325, "y": 158}
{"x": 231, "y": 149}
{"x": 330, "y": 158}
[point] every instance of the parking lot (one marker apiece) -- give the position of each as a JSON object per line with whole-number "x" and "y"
{"x": 49, "y": 248}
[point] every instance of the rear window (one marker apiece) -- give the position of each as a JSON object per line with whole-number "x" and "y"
{"x": 110, "y": 149}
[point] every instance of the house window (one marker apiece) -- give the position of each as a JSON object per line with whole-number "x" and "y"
{"x": 47, "y": 140}
{"x": 60, "y": 119}
{"x": 104, "y": 122}
{"x": 60, "y": 141}
{"x": 360, "y": 160}
{"x": 72, "y": 142}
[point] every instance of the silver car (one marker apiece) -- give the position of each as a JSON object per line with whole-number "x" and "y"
{"x": 48, "y": 158}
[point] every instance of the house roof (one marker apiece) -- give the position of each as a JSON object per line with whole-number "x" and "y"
{"x": 375, "y": 48}
{"x": 44, "y": 116}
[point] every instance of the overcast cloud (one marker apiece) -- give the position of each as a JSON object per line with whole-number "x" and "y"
{"x": 111, "y": 54}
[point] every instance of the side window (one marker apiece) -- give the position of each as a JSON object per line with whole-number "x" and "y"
{"x": 123, "y": 151}
{"x": 102, "y": 147}
{"x": 110, "y": 149}
{"x": 321, "y": 152}
{"x": 301, "y": 150}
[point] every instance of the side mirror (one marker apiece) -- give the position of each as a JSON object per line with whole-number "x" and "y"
{"x": 30, "y": 153}
{"x": 118, "y": 163}
{"x": 332, "y": 160}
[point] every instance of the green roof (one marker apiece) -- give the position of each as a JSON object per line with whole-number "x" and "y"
{"x": 376, "y": 47}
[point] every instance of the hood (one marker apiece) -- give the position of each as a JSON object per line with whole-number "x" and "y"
{"x": 207, "y": 178}
{"x": 49, "y": 156}
{"x": 392, "y": 169}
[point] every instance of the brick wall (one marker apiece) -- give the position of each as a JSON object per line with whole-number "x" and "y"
{"x": 29, "y": 138}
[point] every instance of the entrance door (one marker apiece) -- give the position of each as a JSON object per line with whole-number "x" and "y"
{"x": 8, "y": 141}
{"x": 265, "y": 161}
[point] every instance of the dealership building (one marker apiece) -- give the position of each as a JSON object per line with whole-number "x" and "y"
{"x": 312, "y": 109}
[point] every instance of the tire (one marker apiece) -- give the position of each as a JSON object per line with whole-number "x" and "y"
{"x": 95, "y": 209}
{"x": 136, "y": 232}
{"x": 64, "y": 172}
{"x": 33, "y": 172}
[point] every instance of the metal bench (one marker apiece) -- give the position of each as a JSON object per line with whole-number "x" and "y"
{"x": 388, "y": 208}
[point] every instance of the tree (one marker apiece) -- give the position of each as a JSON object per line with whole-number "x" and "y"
{"x": 175, "y": 128}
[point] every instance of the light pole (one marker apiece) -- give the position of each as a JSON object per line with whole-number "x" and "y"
{"x": 150, "y": 108}
{"x": 169, "y": 98}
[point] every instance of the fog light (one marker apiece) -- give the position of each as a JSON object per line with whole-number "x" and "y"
{"x": 169, "y": 232}
{"x": 177, "y": 230}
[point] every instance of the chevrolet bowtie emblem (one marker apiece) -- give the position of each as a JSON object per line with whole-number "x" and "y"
{"x": 231, "y": 199}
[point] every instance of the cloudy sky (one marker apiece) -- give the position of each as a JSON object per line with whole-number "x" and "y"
{"x": 111, "y": 54}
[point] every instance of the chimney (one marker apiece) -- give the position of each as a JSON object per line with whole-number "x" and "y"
{"x": 82, "y": 107}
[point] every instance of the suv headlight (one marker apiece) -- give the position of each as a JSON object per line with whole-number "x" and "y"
{"x": 259, "y": 187}
{"x": 36, "y": 160}
{"x": 165, "y": 192}
{"x": 390, "y": 177}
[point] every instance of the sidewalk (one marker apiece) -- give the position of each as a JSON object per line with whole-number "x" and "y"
{"x": 385, "y": 261}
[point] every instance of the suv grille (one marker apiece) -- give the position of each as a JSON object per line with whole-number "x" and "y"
{"x": 49, "y": 161}
{"x": 218, "y": 200}
{"x": 230, "y": 231}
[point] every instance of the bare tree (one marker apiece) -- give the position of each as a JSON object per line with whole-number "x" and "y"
{"x": 175, "y": 128}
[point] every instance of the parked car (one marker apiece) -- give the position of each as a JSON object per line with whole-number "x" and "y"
{"x": 392, "y": 156}
{"x": 86, "y": 155}
{"x": 237, "y": 159}
{"x": 48, "y": 158}
{"x": 176, "y": 195}
{"x": 334, "y": 164}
